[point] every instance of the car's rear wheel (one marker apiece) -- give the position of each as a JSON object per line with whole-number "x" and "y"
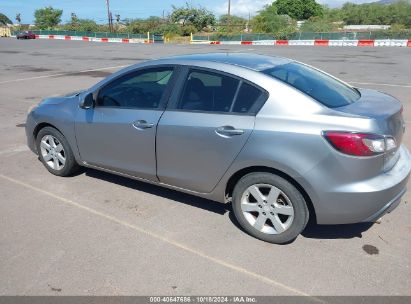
{"x": 269, "y": 207}
{"x": 55, "y": 152}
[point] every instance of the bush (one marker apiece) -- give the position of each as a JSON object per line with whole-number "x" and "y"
{"x": 315, "y": 24}
{"x": 186, "y": 30}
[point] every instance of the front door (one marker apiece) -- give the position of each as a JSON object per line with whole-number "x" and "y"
{"x": 119, "y": 132}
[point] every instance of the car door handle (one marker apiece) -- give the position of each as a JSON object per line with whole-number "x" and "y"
{"x": 142, "y": 124}
{"x": 228, "y": 131}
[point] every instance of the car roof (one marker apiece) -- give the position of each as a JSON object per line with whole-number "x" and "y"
{"x": 247, "y": 60}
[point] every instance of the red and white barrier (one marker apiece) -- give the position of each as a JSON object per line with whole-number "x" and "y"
{"x": 318, "y": 42}
{"x": 315, "y": 42}
{"x": 95, "y": 39}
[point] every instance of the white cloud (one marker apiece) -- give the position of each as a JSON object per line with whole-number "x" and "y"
{"x": 242, "y": 7}
{"x": 338, "y": 3}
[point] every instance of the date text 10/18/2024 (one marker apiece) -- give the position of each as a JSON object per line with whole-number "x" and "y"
{"x": 203, "y": 299}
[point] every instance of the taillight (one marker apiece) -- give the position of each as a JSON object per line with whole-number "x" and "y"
{"x": 359, "y": 144}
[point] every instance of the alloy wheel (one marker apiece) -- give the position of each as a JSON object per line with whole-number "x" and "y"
{"x": 267, "y": 208}
{"x": 52, "y": 152}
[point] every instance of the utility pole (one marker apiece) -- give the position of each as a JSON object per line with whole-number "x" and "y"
{"x": 111, "y": 22}
{"x": 109, "y": 15}
{"x": 229, "y": 16}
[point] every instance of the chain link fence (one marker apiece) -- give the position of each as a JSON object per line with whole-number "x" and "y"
{"x": 153, "y": 37}
{"x": 307, "y": 36}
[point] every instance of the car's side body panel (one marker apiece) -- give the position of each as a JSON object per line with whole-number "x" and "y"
{"x": 107, "y": 138}
{"x": 59, "y": 113}
{"x": 190, "y": 153}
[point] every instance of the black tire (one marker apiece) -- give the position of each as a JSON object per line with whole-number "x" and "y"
{"x": 70, "y": 165}
{"x": 301, "y": 213}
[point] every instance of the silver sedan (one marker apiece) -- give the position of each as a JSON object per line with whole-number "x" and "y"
{"x": 282, "y": 141}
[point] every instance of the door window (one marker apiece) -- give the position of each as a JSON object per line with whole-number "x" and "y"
{"x": 206, "y": 91}
{"x": 247, "y": 100}
{"x": 139, "y": 90}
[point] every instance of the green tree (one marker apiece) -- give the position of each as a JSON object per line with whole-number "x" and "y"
{"x": 232, "y": 23}
{"x": 142, "y": 26}
{"x": 4, "y": 19}
{"x": 47, "y": 17}
{"x": 316, "y": 24}
{"x": 200, "y": 18}
{"x": 400, "y": 13}
{"x": 74, "y": 19}
{"x": 224, "y": 19}
{"x": 268, "y": 21}
{"x": 299, "y": 9}
{"x": 375, "y": 13}
{"x": 82, "y": 25}
{"x": 332, "y": 14}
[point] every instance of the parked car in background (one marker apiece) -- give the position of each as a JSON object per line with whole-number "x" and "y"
{"x": 281, "y": 140}
{"x": 26, "y": 35}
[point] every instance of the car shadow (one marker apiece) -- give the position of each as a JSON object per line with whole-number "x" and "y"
{"x": 312, "y": 230}
{"x": 347, "y": 231}
{"x": 174, "y": 195}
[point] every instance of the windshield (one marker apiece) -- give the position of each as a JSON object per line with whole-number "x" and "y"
{"x": 318, "y": 85}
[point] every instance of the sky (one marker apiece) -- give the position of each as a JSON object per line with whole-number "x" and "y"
{"x": 96, "y": 9}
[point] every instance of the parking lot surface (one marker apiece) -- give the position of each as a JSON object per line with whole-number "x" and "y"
{"x": 100, "y": 234}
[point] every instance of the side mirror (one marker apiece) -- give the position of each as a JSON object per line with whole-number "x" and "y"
{"x": 87, "y": 102}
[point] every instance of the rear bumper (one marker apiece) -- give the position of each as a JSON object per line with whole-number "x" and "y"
{"x": 367, "y": 200}
{"x": 390, "y": 206}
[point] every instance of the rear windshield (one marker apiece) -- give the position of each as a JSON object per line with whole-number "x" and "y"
{"x": 323, "y": 88}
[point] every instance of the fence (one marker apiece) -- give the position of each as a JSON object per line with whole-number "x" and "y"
{"x": 306, "y": 36}
{"x": 150, "y": 37}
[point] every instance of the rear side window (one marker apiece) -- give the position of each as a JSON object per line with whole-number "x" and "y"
{"x": 247, "y": 97}
{"x": 207, "y": 91}
{"x": 318, "y": 85}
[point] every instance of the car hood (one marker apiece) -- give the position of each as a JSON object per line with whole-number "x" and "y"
{"x": 59, "y": 99}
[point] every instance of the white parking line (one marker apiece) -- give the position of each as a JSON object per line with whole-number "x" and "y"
{"x": 382, "y": 84}
{"x": 215, "y": 260}
{"x": 63, "y": 74}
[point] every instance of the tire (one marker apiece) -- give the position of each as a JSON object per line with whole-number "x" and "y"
{"x": 52, "y": 149}
{"x": 276, "y": 213}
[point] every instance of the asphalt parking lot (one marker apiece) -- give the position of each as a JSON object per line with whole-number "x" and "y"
{"x": 99, "y": 234}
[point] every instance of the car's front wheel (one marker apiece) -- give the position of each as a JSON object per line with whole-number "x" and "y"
{"x": 269, "y": 207}
{"x": 55, "y": 152}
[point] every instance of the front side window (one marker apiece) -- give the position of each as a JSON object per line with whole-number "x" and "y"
{"x": 318, "y": 85}
{"x": 140, "y": 90}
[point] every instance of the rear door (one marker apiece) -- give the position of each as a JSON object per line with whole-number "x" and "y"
{"x": 205, "y": 126}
